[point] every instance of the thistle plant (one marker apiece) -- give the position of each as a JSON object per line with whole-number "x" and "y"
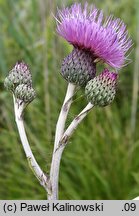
{"x": 95, "y": 40}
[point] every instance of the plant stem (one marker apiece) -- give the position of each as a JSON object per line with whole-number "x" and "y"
{"x": 18, "y": 109}
{"x": 54, "y": 176}
{"x": 135, "y": 85}
{"x": 75, "y": 123}
{"x": 60, "y": 148}
{"x": 137, "y": 198}
{"x": 54, "y": 172}
{"x": 63, "y": 114}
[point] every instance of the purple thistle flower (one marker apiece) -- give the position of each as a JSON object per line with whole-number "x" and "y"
{"x": 86, "y": 29}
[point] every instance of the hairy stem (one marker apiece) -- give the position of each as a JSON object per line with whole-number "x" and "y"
{"x": 18, "y": 109}
{"x": 54, "y": 176}
{"x": 54, "y": 172}
{"x": 60, "y": 148}
{"x": 75, "y": 123}
{"x": 63, "y": 114}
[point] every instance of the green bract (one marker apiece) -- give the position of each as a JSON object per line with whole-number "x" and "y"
{"x": 20, "y": 74}
{"x": 78, "y": 67}
{"x": 25, "y": 93}
{"x": 101, "y": 90}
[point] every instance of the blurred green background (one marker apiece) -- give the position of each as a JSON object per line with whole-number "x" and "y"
{"x": 102, "y": 159}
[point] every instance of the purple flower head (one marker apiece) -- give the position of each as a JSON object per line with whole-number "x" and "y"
{"x": 86, "y": 29}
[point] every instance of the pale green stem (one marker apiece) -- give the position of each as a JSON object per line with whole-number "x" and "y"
{"x": 18, "y": 109}
{"x": 54, "y": 172}
{"x": 61, "y": 146}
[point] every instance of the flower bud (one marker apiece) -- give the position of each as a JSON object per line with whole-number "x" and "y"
{"x": 20, "y": 74}
{"x": 25, "y": 93}
{"x": 78, "y": 67}
{"x": 101, "y": 90}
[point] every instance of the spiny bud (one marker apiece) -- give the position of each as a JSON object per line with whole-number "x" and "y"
{"x": 25, "y": 93}
{"x": 101, "y": 90}
{"x": 78, "y": 67}
{"x": 20, "y": 74}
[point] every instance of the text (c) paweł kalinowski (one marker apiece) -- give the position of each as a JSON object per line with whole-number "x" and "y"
{"x": 97, "y": 207}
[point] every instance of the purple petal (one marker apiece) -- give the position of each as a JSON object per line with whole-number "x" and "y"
{"x": 85, "y": 28}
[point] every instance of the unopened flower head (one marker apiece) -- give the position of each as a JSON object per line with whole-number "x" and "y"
{"x": 25, "y": 93}
{"x": 19, "y": 81}
{"x": 86, "y": 29}
{"x": 79, "y": 67}
{"x": 20, "y": 74}
{"x": 101, "y": 90}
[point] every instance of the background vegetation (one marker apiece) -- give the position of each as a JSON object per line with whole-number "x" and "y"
{"x": 102, "y": 160}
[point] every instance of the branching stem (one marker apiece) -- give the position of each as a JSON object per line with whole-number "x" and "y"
{"x": 72, "y": 127}
{"x": 18, "y": 109}
{"x": 60, "y": 146}
{"x": 54, "y": 172}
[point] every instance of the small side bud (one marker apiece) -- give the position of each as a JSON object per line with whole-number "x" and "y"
{"x": 101, "y": 90}
{"x": 25, "y": 93}
{"x": 20, "y": 74}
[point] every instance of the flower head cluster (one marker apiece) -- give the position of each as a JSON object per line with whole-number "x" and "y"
{"x": 19, "y": 81}
{"x": 20, "y": 74}
{"x": 94, "y": 38}
{"x": 86, "y": 28}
